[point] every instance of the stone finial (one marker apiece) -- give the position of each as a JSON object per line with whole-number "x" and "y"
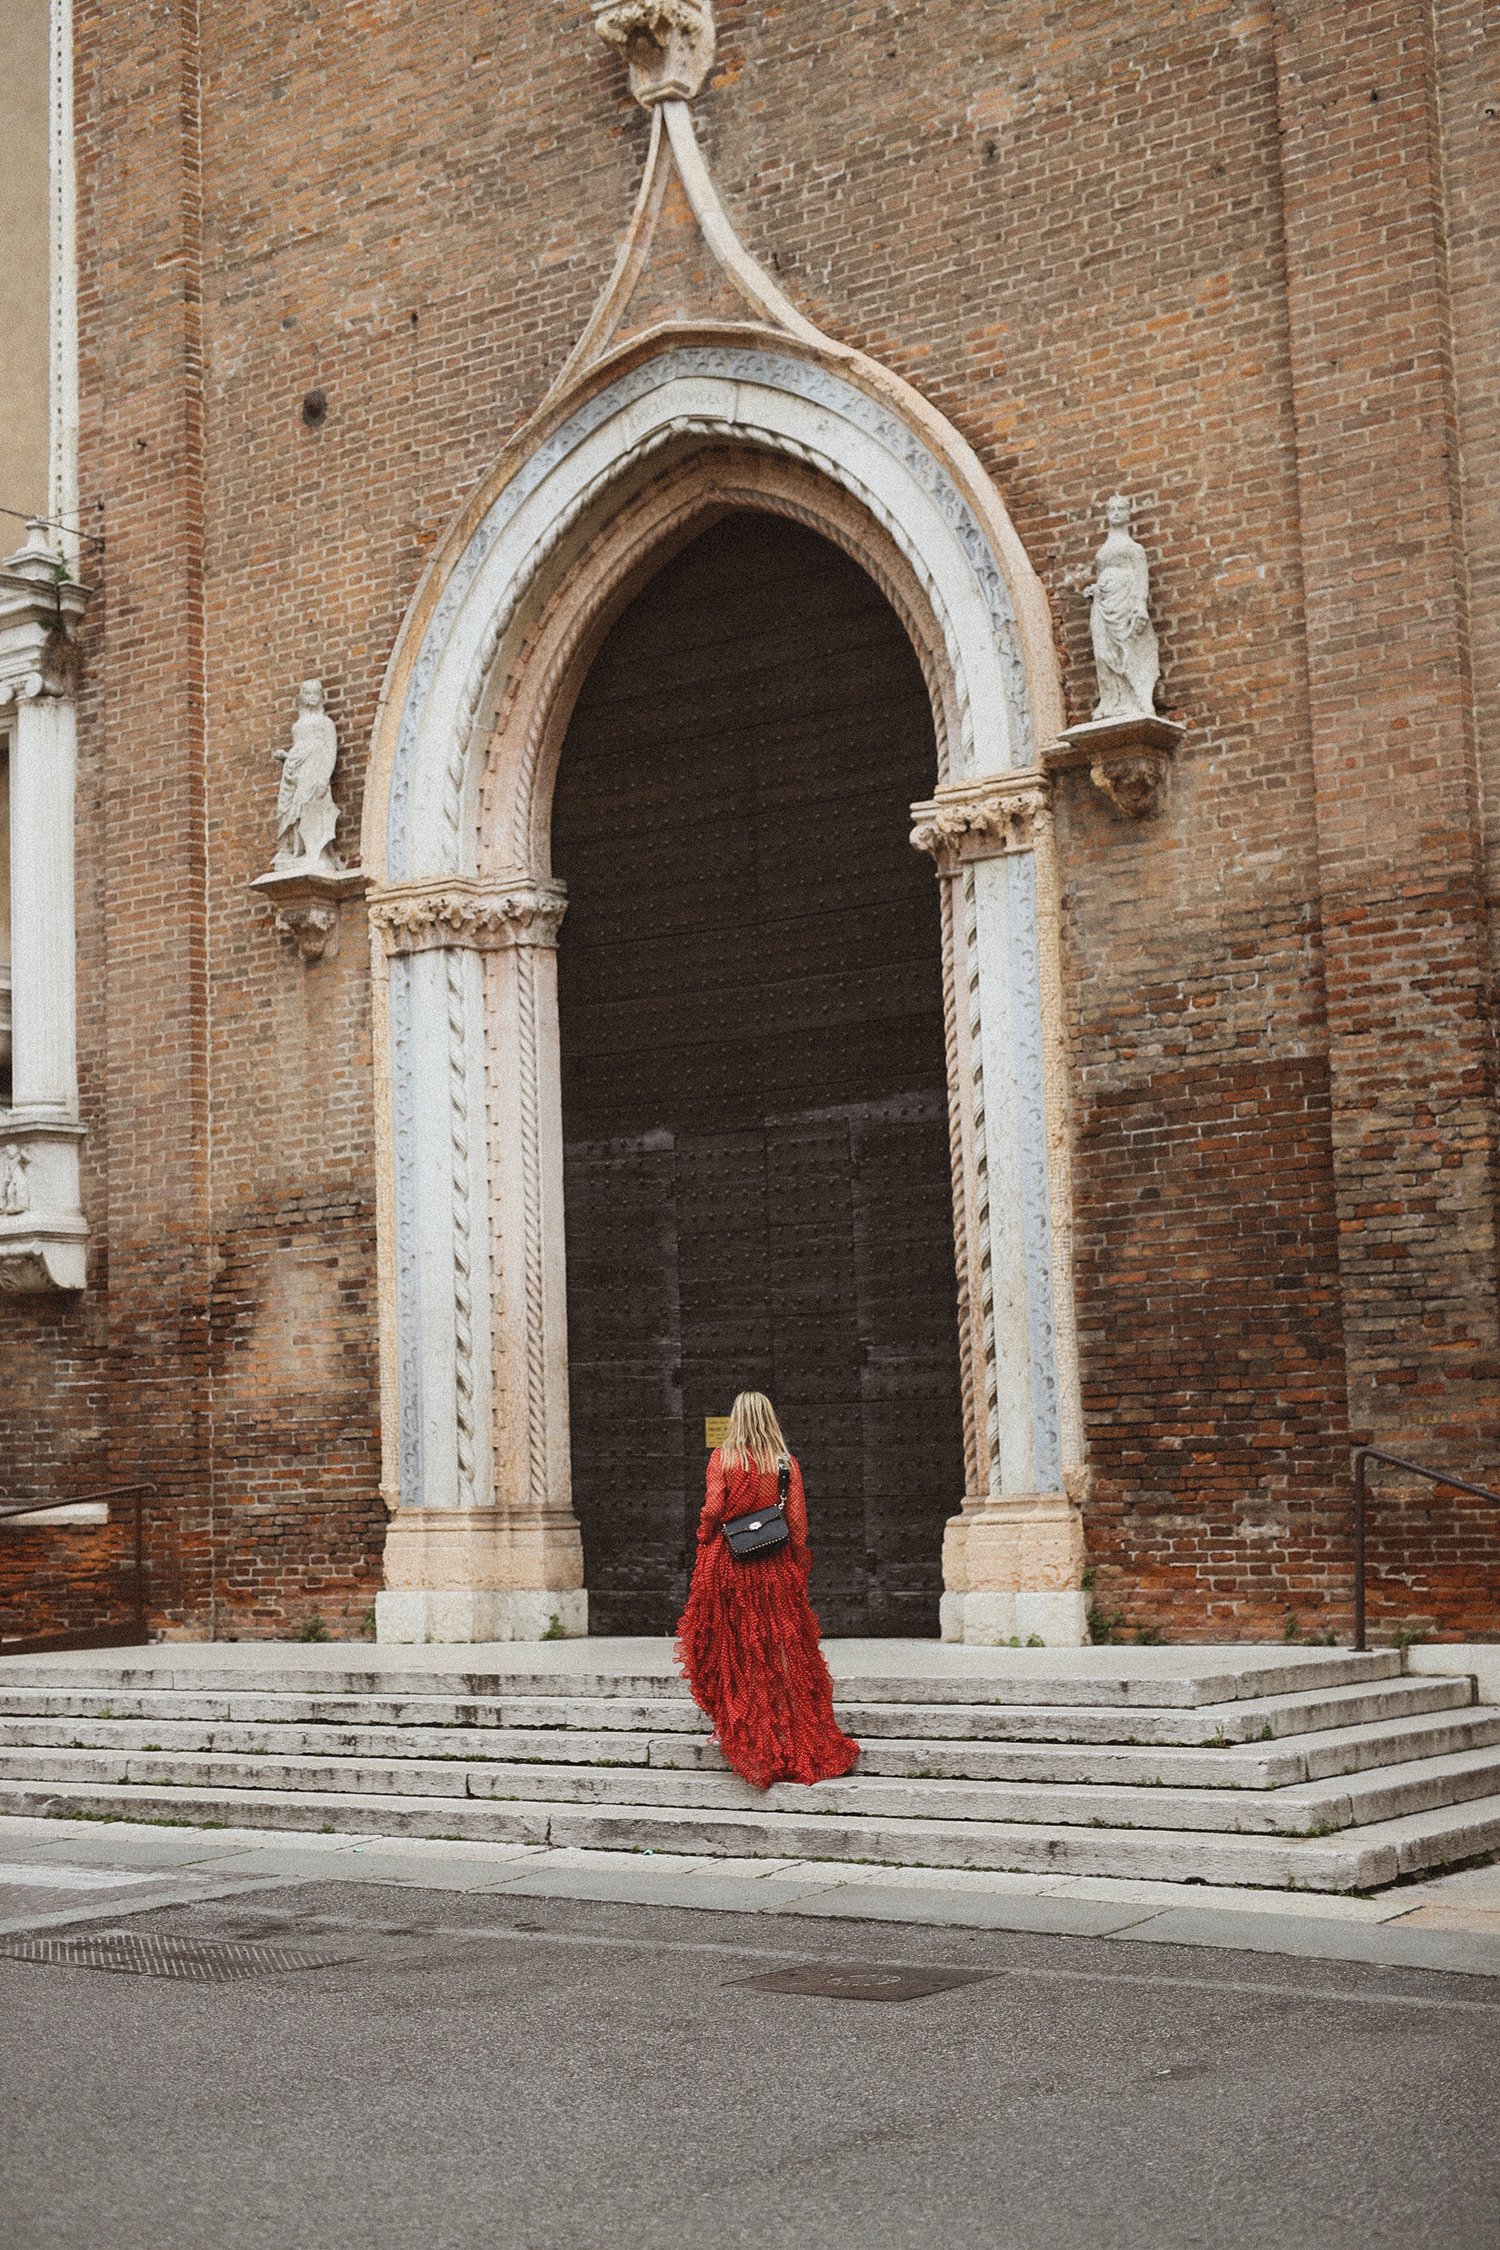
{"x": 1125, "y": 653}
{"x": 667, "y": 45}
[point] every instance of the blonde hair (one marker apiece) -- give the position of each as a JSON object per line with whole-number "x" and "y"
{"x": 754, "y": 1434}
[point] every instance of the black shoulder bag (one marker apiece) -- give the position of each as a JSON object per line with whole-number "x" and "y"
{"x": 764, "y": 1529}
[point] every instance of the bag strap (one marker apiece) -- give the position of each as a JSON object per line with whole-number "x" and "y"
{"x": 783, "y": 1480}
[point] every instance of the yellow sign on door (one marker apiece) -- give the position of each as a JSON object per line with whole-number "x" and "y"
{"x": 715, "y": 1430}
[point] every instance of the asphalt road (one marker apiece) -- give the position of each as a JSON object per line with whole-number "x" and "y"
{"x": 530, "y": 2074}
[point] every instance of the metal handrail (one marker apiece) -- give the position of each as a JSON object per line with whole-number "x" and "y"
{"x": 105, "y": 1636}
{"x": 1362, "y": 1454}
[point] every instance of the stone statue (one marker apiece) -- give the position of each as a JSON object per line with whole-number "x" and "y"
{"x": 306, "y": 815}
{"x": 15, "y": 1196}
{"x": 1124, "y": 643}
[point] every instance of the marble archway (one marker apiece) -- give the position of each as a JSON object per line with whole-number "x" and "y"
{"x": 634, "y": 453}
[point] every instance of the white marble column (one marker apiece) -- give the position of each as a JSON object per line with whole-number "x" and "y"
{"x": 483, "y": 1543}
{"x": 42, "y": 1229}
{"x": 1013, "y": 1557}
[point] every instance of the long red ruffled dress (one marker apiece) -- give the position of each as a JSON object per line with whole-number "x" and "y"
{"x": 748, "y": 1641}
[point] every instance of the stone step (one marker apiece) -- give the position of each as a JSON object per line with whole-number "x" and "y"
{"x": 1309, "y": 1808}
{"x": 1096, "y": 1684}
{"x": 1444, "y": 1837}
{"x": 660, "y": 1714}
{"x": 1268, "y": 1718}
{"x": 1360, "y": 1859}
{"x": 1314, "y": 1757}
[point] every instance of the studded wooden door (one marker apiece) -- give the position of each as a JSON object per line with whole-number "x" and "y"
{"x": 754, "y": 1096}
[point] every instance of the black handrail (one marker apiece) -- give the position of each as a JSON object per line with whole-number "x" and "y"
{"x": 103, "y": 1636}
{"x": 1362, "y": 1454}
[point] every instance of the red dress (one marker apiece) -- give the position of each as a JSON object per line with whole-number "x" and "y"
{"x": 748, "y": 1642}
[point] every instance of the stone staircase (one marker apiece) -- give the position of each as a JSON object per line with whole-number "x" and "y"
{"x": 1316, "y": 1773}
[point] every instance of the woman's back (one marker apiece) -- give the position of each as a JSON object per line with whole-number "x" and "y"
{"x": 748, "y": 1641}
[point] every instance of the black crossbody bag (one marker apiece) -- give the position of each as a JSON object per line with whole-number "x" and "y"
{"x": 763, "y": 1530}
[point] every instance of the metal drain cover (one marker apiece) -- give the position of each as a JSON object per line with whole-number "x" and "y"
{"x": 190, "y": 1961}
{"x": 864, "y": 1980}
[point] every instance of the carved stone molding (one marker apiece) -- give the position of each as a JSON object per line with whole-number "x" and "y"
{"x": 667, "y": 45}
{"x": 306, "y": 907}
{"x": 1127, "y": 759}
{"x": 43, "y": 1234}
{"x": 983, "y": 818}
{"x": 458, "y": 911}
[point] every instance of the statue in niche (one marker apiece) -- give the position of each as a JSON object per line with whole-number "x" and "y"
{"x": 15, "y": 1197}
{"x": 306, "y": 815}
{"x": 1125, "y": 653}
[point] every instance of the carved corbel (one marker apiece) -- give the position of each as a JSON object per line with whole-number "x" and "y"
{"x": 985, "y": 818}
{"x": 305, "y": 908}
{"x": 667, "y": 45}
{"x": 478, "y": 916}
{"x": 1128, "y": 759}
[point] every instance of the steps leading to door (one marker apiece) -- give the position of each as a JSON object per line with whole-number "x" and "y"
{"x": 1234, "y": 1766}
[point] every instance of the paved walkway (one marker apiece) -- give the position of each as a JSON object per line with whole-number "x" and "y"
{"x": 56, "y": 1873}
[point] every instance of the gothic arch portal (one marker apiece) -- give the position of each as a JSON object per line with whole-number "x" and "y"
{"x": 637, "y": 451}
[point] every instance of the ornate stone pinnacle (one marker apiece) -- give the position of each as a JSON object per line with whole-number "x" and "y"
{"x": 667, "y": 45}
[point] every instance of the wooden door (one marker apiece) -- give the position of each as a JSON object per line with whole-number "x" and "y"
{"x": 754, "y": 1094}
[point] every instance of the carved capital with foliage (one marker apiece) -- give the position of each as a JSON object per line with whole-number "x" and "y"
{"x": 984, "y": 818}
{"x": 458, "y": 911}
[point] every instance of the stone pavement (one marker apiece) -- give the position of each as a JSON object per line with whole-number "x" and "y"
{"x": 61, "y": 1873}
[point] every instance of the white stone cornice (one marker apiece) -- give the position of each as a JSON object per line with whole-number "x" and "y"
{"x": 484, "y": 916}
{"x": 986, "y": 817}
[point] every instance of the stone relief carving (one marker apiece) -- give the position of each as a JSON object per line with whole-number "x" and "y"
{"x": 1132, "y": 785}
{"x": 313, "y": 927}
{"x": 667, "y": 45}
{"x": 1125, "y": 651}
{"x": 306, "y": 815}
{"x": 15, "y": 1195}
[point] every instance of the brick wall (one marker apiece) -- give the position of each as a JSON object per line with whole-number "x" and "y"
{"x": 1176, "y": 251}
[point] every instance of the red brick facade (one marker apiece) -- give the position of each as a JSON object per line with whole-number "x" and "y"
{"x": 1238, "y": 262}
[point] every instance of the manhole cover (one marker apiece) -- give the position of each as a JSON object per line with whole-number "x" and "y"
{"x": 182, "y": 1958}
{"x": 864, "y": 1980}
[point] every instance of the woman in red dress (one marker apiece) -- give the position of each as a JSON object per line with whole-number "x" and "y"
{"x": 748, "y": 1640}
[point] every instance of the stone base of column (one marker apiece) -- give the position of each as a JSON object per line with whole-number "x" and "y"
{"x": 483, "y": 1613}
{"x": 482, "y": 1574}
{"x": 1013, "y": 1571}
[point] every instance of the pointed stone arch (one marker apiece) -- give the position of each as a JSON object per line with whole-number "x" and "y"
{"x": 636, "y": 450}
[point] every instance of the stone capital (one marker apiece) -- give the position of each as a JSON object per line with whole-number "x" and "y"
{"x": 667, "y": 45}
{"x": 38, "y": 614}
{"x": 483, "y": 916}
{"x": 987, "y": 817}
